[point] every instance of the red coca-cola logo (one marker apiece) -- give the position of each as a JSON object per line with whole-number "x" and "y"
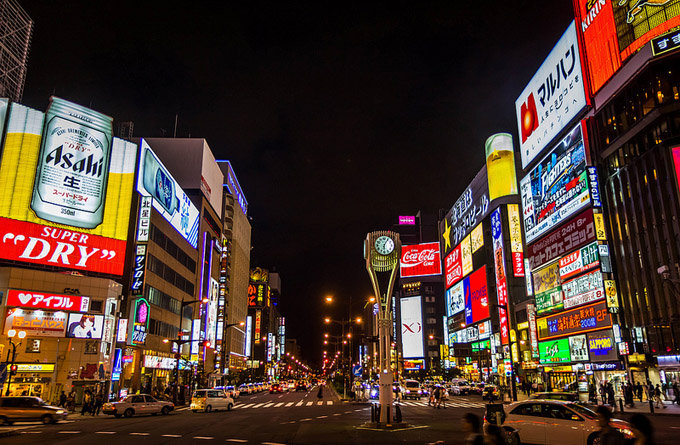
{"x": 420, "y": 259}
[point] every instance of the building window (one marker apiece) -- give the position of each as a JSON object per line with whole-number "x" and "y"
{"x": 429, "y": 310}
{"x": 168, "y": 274}
{"x": 431, "y": 321}
{"x": 32, "y": 345}
{"x": 96, "y": 305}
{"x": 162, "y": 300}
{"x": 157, "y": 327}
{"x": 92, "y": 347}
{"x": 173, "y": 249}
{"x": 429, "y": 299}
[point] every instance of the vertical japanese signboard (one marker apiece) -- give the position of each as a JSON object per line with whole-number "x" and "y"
{"x": 516, "y": 240}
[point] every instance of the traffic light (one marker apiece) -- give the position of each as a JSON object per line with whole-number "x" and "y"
{"x": 205, "y": 344}
{"x": 13, "y": 369}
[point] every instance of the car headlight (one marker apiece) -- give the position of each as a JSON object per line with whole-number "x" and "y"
{"x": 61, "y": 411}
{"x": 420, "y": 392}
{"x": 408, "y": 391}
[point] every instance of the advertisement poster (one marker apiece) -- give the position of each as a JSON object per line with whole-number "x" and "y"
{"x": 503, "y": 318}
{"x": 420, "y": 260}
{"x": 516, "y": 240}
{"x": 139, "y": 321}
{"x": 476, "y": 297}
{"x": 169, "y": 199}
{"x": 572, "y": 235}
{"x": 612, "y": 295}
{"x": 554, "y": 351}
{"x": 41, "y": 300}
{"x": 575, "y": 263}
{"x": 547, "y": 288}
{"x": 584, "y": 289}
{"x": 574, "y": 321}
{"x": 455, "y": 299}
{"x": 578, "y": 347}
{"x": 533, "y": 331}
{"x": 556, "y": 188}
{"x": 499, "y": 257}
{"x": 552, "y": 99}
{"x": 602, "y": 346}
{"x": 453, "y": 266}
{"x": 411, "y": 327}
{"x": 85, "y": 326}
{"x": 477, "y": 238}
{"x": 36, "y": 323}
{"x": 80, "y": 223}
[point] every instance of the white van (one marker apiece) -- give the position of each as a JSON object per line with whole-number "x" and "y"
{"x": 208, "y": 400}
{"x": 411, "y": 390}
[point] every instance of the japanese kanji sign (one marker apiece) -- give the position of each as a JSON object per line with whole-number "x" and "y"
{"x": 36, "y": 323}
{"x": 576, "y": 321}
{"x": 41, "y": 300}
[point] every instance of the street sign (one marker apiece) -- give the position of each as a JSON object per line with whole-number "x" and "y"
{"x": 357, "y": 370}
{"x": 3, "y": 373}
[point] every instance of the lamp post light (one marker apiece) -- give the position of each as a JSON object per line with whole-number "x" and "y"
{"x": 11, "y": 334}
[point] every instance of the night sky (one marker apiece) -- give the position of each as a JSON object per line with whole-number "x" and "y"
{"x": 337, "y": 118}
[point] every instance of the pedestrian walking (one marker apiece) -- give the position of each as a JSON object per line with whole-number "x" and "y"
{"x": 603, "y": 393}
{"x": 642, "y": 430}
{"x": 639, "y": 391}
{"x": 657, "y": 396}
{"x": 437, "y": 396}
{"x": 98, "y": 403}
{"x": 319, "y": 395}
{"x": 63, "y": 399}
{"x": 676, "y": 393}
{"x": 87, "y": 402}
{"x": 610, "y": 396}
{"x": 472, "y": 428}
{"x": 607, "y": 434}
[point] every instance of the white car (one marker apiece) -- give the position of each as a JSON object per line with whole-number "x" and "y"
{"x": 411, "y": 390}
{"x": 551, "y": 422}
{"x": 232, "y": 391}
{"x": 138, "y": 404}
{"x": 208, "y": 400}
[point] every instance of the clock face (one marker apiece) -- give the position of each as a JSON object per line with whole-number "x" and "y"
{"x": 384, "y": 245}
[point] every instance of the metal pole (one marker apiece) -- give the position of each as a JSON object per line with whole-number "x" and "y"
{"x": 386, "y": 378}
{"x": 9, "y": 375}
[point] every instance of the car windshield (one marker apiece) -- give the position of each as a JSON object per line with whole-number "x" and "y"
{"x": 412, "y": 384}
{"x": 582, "y": 410}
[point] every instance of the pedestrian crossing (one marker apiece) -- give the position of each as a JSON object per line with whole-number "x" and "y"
{"x": 282, "y": 404}
{"x": 449, "y": 403}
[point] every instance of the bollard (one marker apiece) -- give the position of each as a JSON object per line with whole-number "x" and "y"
{"x": 377, "y": 414}
{"x": 651, "y": 406}
{"x": 388, "y": 413}
{"x": 397, "y": 414}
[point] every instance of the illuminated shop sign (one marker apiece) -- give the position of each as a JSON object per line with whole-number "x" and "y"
{"x": 66, "y": 189}
{"x": 140, "y": 321}
{"x": 453, "y": 266}
{"x": 36, "y": 323}
{"x": 582, "y": 260}
{"x": 516, "y": 240}
{"x": 484, "y": 329}
{"x": 414, "y": 365}
{"x": 476, "y": 296}
{"x": 42, "y": 300}
{"x": 235, "y": 188}
{"x": 155, "y": 362}
{"x": 552, "y": 99}
{"x": 547, "y": 288}
{"x": 499, "y": 257}
{"x": 575, "y": 321}
{"x": 666, "y": 43}
{"x": 122, "y": 330}
{"x": 594, "y": 187}
{"x": 411, "y": 327}
{"x": 556, "y": 188}
{"x": 503, "y": 318}
{"x": 472, "y": 333}
{"x": 578, "y": 348}
{"x": 249, "y": 335}
{"x": 420, "y": 260}
{"x": 252, "y": 295}
{"x": 169, "y": 199}
{"x": 584, "y": 289}
{"x": 85, "y": 326}
{"x": 477, "y": 238}
{"x": 455, "y": 299}
{"x": 602, "y": 346}
{"x": 675, "y": 152}
{"x": 407, "y": 220}
{"x": 144, "y": 218}
{"x": 533, "y": 331}
{"x": 138, "y": 269}
{"x": 612, "y": 296}
{"x": 554, "y": 351}
{"x": 576, "y": 233}
{"x": 258, "y": 325}
{"x": 35, "y": 367}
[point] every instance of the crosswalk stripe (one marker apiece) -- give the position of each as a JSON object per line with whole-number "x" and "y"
{"x": 300, "y": 403}
{"x": 330, "y": 402}
{"x": 278, "y": 404}
{"x": 320, "y": 403}
{"x": 290, "y": 404}
{"x": 310, "y": 403}
{"x": 258, "y": 405}
{"x": 268, "y": 405}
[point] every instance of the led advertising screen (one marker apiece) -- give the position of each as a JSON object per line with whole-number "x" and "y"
{"x": 36, "y": 323}
{"x": 42, "y": 300}
{"x": 613, "y": 30}
{"x": 554, "y": 351}
{"x": 552, "y": 99}
{"x": 455, "y": 299}
{"x": 584, "y": 289}
{"x": 85, "y": 326}
{"x": 420, "y": 260}
{"x": 476, "y": 296}
{"x": 67, "y": 189}
{"x": 574, "y": 321}
{"x": 557, "y": 187}
{"x": 169, "y": 199}
{"x": 411, "y": 327}
{"x": 499, "y": 257}
{"x": 516, "y": 240}
{"x": 547, "y": 288}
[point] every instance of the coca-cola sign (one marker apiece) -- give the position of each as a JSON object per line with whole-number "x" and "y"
{"x": 420, "y": 260}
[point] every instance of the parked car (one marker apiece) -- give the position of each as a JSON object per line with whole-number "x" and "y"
{"x": 232, "y": 392}
{"x": 208, "y": 400}
{"x": 27, "y": 409}
{"x": 477, "y": 388}
{"x": 412, "y": 390}
{"x": 138, "y": 404}
{"x": 490, "y": 392}
{"x": 549, "y": 422}
{"x": 275, "y": 388}
{"x": 459, "y": 387}
{"x": 243, "y": 389}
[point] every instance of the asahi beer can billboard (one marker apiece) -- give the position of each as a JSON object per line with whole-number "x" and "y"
{"x": 169, "y": 199}
{"x": 67, "y": 189}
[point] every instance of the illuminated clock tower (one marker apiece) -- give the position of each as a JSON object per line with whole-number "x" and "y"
{"x": 382, "y": 251}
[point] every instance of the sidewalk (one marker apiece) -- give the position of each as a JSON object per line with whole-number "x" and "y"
{"x": 669, "y": 409}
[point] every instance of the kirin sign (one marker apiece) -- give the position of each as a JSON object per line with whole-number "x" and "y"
{"x": 420, "y": 260}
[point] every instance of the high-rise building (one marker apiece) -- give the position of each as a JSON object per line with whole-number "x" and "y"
{"x": 16, "y": 31}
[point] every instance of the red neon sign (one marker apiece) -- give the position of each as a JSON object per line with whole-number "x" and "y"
{"x": 42, "y": 300}
{"x": 420, "y": 260}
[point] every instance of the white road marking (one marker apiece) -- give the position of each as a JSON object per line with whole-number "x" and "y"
{"x": 321, "y": 417}
{"x": 140, "y": 434}
{"x": 272, "y": 443}
{"x": 289, "y": 404}
{"x": 105, "y": 432}
{"x": 268, "y": 405}
{"x": 278, "y": 404}
{"x": 183, "y": 409}
{"x": 237, "y": 440}
{"x": 38, "y": 432}
{"x": 310, "y": 403}
{"x": 300, "y": 403}
{"x": 304, "y": 420}
{"x": 330, "y": 402}
{"x": 69, "y": 432}
{"x": 336, "y": 414}
{"x": 259, "y": 405}
{"x": 171, "y": 435}
{"x": 204, "y": 437}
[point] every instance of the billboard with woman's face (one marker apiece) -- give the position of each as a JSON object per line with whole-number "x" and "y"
{"x": 85, "y": 326}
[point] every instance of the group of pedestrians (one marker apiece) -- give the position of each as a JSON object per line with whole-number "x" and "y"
{"x": 92, "y": 403}
{"x": 438, "y": 396}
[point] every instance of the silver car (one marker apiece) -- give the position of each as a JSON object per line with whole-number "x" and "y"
{"x": 138, "y": 404}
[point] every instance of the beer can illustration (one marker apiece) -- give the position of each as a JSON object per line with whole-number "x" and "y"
{"x": 500, "y": 166}
{"x": 73, "y": 165}
{"x": 158, "y": 182}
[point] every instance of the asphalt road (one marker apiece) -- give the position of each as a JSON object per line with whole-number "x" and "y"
{"x": 271, "y": 419}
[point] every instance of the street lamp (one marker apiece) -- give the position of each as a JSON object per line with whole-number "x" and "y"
{"x": 11, "y": 334}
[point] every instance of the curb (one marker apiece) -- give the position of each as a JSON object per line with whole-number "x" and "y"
{"x": 9, "y": 433}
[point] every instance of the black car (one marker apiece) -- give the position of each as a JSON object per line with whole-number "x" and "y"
{"x": 301, "y": 386}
